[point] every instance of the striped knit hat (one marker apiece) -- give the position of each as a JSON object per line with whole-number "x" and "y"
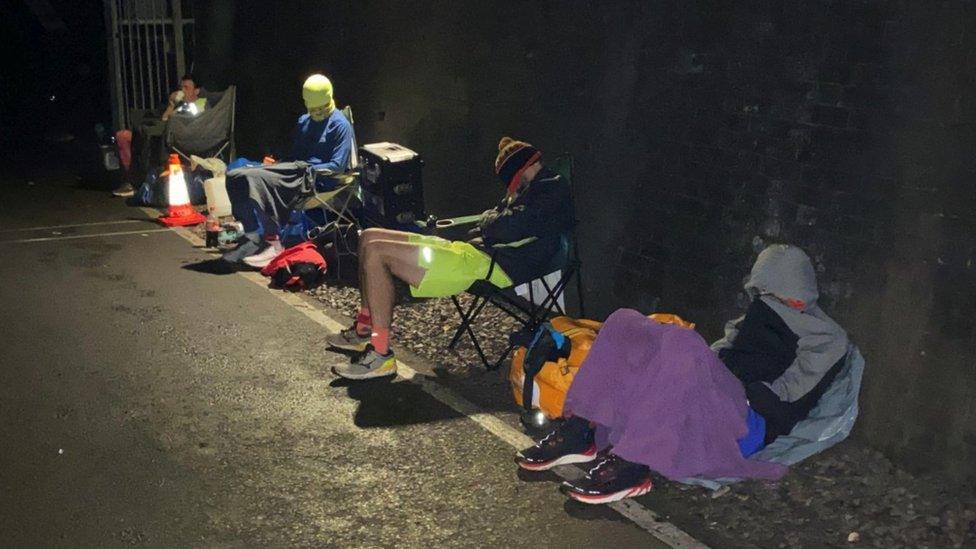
{"x": 514, "y": 157}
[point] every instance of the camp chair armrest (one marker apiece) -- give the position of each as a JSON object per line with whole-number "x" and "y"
{"x": 516, "y": 244}
{"x": 312, "y": 172}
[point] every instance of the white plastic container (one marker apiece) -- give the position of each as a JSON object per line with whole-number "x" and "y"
{"x": 218, "y": 203}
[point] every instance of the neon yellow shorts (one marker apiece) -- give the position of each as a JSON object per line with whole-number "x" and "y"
{"x": 452, "y": 267}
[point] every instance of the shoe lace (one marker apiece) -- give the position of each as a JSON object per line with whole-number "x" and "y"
{"x": 556, "y": 436}
{"x": 604, "y": 467}
{"x": 553, "y": 438}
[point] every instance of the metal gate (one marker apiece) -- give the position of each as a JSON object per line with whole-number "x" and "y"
{"x": 147, "y": 50}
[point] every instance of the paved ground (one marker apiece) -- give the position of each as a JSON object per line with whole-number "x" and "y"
{"x": 145, "y": 402}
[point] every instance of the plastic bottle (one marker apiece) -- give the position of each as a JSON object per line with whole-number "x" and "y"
{"x": 213, "y": 231}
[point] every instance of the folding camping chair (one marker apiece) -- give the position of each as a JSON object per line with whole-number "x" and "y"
{"x": 208, "y": 134}
{"x": 337, "y": 204}
{"x": 528, "y": 314}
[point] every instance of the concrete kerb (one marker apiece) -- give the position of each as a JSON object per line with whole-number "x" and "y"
{"x": 644, "y": 518}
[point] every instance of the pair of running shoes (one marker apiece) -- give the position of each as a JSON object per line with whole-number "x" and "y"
{"x": 572, "y": 441}
{"x": 612, "y": 478}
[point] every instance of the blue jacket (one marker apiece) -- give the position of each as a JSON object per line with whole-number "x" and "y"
{"x": 326, "y": 145}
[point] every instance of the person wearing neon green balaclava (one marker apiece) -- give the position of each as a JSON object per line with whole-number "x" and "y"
{"x": 317, "y": 94}
{"x": 322, "y": 140}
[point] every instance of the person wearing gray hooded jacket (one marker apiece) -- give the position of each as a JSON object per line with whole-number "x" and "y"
{"x": 785, "y": 349}
{"x": 656, "y": 397}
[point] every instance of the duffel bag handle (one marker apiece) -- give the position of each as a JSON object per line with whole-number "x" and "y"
{"x": 547, "y": 345}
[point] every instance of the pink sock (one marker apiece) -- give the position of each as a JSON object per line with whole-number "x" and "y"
{"x": 364, "y": 323}
{"x": 380, "y": 339}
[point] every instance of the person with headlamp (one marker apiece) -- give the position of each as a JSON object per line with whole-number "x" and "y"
{"x": 186, "y": 100}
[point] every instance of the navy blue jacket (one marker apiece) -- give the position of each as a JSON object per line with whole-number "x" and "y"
{"x": 543, "y": 210}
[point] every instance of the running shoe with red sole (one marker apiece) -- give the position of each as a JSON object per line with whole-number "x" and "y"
{"x": 612, "y": 479}
{"x": 570, "y": 442}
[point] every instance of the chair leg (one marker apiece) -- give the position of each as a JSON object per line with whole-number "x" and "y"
{"x": 520, "y": 314}
{"x": 551, "y": 293}
{"x": 467, "y": 317}
{"x": 477, "y": 347}
{"x": 498, "y": 363}
{"x": 335, "y": 246}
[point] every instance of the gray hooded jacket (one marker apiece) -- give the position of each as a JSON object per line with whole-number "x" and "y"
{"x": 783, "y": 273}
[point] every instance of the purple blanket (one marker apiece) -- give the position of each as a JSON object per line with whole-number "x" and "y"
{"x": 661, "y": 397}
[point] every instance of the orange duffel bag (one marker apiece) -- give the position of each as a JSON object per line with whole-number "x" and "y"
{"x": 551, "y": 382}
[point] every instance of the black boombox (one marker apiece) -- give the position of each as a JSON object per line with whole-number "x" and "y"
{"x": 393, "y": 191}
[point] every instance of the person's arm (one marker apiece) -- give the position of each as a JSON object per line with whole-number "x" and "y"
{"x": 816, "y": 354}
{"x": 337, "y": 159}
{"x": 171, "y": 106}
{"x": 548, "y": 208}
{"x": 286, "y": 153}
{"x": 731, "y": 331}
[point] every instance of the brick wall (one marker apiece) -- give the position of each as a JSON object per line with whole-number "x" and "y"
{"x": 703, "y": 131}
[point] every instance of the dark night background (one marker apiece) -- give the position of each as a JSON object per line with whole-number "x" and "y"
{"x": 64, "y": 59}
{"x": 702, "y": 131}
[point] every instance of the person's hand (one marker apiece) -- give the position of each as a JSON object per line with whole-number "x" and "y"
{"x": 487, "y": 218}
{"x": 476, "y": 241}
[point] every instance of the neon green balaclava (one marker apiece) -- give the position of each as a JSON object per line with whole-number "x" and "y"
{"x": 317, "y": 93}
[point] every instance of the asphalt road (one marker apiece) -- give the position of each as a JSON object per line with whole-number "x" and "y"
{"x": 146, "y": 403}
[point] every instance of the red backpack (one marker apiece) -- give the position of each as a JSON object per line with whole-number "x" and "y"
{"x": 300, "y": 267}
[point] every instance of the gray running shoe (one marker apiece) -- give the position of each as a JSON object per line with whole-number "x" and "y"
{"x": 348, "y": 339}
{"x": 370, "y": 365}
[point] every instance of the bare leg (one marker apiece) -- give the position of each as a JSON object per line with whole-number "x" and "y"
{"x": 365, "y": 238}
{"x": 382, "y": 260}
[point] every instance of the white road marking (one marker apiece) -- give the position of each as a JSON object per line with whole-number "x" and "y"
{"x": 75, "y": 236}
{"x": 643, "y": 517}
{"x": 22, "y": 229}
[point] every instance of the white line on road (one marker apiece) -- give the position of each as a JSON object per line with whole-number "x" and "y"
{"x": 74, "y": 225}
{"x": 643, "y": 517}
{"x": 75, "y": 236}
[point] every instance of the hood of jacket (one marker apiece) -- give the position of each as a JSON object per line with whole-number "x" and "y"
{"x": 786, "y": 272}
{"x": 784, "y": 278}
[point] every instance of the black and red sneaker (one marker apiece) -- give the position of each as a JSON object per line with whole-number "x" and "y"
{"x": 612, "y": 479}
{"x": 570, "y": 442}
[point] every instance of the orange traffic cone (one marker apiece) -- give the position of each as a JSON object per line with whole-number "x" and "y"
{"x": 180, "y": 211}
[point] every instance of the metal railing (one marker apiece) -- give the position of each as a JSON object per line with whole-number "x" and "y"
{"x": 146, "y": 53}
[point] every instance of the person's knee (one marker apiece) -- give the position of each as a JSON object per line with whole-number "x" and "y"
{"x": 380, "y": 254}
{"x": 368, "y": 236}
{"x": 374, "y": 234}
{"x": 371, "y": 253}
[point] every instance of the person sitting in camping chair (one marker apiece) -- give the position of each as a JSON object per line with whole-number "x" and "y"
{"x": 517, "y": 241}
{"x": 652, "y": 396}
{"x": 322, "y": 141}
{"x": 189, "y": 99}
{"x": 147, "y": 142}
